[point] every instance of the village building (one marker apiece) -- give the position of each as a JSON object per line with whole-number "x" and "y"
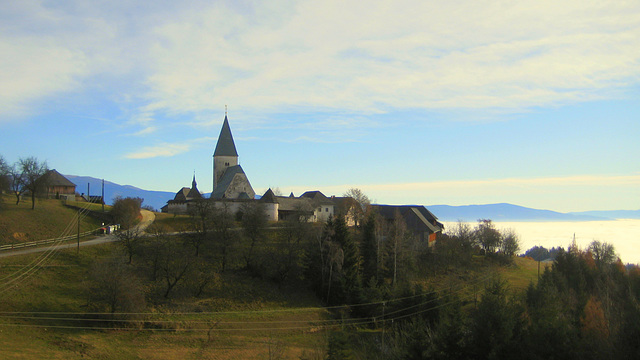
{"x": 57, "y": 186}
{"x": 184, "y": 197}
{"x": 423, "y": 225}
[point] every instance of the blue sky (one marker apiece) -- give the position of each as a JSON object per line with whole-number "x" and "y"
{"x": 535, "y": 103}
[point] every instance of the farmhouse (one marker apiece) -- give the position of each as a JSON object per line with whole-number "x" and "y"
{"x": 420, "y": 221}
{"x": 58, "y": 186}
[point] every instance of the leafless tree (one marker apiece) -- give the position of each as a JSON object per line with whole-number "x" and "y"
{"x": 254, "y": 222}
{"x": 115, "y": 285}
{"x": 32, "y": 174}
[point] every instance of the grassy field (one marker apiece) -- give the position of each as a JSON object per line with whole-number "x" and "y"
{"x": 246, "y": 319}
{"x": 49, "y": 219}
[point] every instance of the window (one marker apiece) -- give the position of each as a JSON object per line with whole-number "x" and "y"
{"x": 327, "y": 209}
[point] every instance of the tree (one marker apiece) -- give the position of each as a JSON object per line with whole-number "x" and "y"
{"x": 115, "y": 285}
{"x": 509, "y": 243}
{"x": 4, "y": 174}
{"x": 487, "y": 236}
{"x": 362, "y": 201}
{"x": 32, "y": 174}
{"x": 369, "y": 250}
{"x": 603, "y": 253}
{"x": 222, "y": 224}
{"x": 253, "y": 222}
{"x": 126, "y": 212}
{"x": 5, "y": 171}
{"x": 201, "y": 213}
{"x": 16, "y": 181}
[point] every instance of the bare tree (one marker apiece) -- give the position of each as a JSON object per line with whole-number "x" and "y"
{"x": 16, "y": 182}
{"x": 357, "y": 209}
{"x": 222, "y": 223}
{"x": 32, "y": 173}
{"x": 254, "y": 222}
{"x": 5, "y": 170}
{"x": 201, "y": 212}
{"x": 126, "y": 212}
{"x": 603, "y": 253}
{"x": 115, "y": 285}
{"x": 509, "y": 244}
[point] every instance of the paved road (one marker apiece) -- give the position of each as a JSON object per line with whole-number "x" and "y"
{"x": 147, "y": 219}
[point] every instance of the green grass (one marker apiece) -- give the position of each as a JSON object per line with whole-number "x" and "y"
{"x": 49, "y": 219}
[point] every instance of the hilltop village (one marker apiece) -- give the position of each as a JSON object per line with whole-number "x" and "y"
{"x": 231, "y": 188}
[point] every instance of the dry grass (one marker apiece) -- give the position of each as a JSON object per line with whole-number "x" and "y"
{"x": 49, "y": 219}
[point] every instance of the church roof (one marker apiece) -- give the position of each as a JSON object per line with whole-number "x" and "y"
{"x": 269, "y": 197}
{"x": 182, "y": 194}
{"x": 317, "y": 197}
{"x": 194, "y": 193}
{"x": 225, "y": 181}
{"x": 225, "y": 145}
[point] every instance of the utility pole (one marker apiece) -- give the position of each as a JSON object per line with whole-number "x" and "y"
{"x": 78, "y": 237}
{"x": 383, "y": 305}
{"x": 88, "y": 193}
{"x": 102, "y": 195}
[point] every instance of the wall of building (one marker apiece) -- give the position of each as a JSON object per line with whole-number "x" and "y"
{"x": 220, "y": 165}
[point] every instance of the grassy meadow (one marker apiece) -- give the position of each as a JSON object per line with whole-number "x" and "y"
{"x": 49, "y": 219}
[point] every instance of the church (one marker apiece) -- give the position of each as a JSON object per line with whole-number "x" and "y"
{"x": 230, "y": 183}
{"x": 232, "y": 189}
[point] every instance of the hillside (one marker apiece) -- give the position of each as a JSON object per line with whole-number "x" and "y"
{"x": 155, "y": 199}
{"x": 49, "y": 219}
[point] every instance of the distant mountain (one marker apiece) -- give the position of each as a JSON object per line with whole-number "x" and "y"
{"x": 506, "y": 212}
{"x": 155, "y": 199}
{"x": 614, "y": 214}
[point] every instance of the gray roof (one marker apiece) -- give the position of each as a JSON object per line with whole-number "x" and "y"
{"x": 225, "y": 145}
{"x": 225, "y": 181}
{"x": 269, "y": 197}
{"x": 182, "y": 194}
{"x": 317, "y": 197}
{"x": 54, "y": 178}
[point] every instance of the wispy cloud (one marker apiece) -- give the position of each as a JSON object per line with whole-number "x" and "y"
{"x": 168, "y": 149}
{"x": 291, "y": 56}
{"x": 162, "y": 150}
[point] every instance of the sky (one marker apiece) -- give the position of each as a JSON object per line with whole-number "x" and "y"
{"x": 534, "y": 103}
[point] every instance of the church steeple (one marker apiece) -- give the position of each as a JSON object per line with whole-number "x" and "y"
{"x": 225, "y": 146}
{"x": 225, "y": 155}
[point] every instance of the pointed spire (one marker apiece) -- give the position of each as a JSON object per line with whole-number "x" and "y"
{"x": 225, "y": 145}
{"x": 193, "y": 183}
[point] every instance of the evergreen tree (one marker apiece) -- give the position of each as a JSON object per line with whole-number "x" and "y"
{"x": 369, "y": 251}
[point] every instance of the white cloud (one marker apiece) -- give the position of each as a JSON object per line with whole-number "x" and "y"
{"x": 163, "y": 150}
{"x": 290, "y": 56}
{"x": 382, "y": 55}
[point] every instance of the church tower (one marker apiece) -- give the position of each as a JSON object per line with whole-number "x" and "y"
{"x": 225, "y": 155}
